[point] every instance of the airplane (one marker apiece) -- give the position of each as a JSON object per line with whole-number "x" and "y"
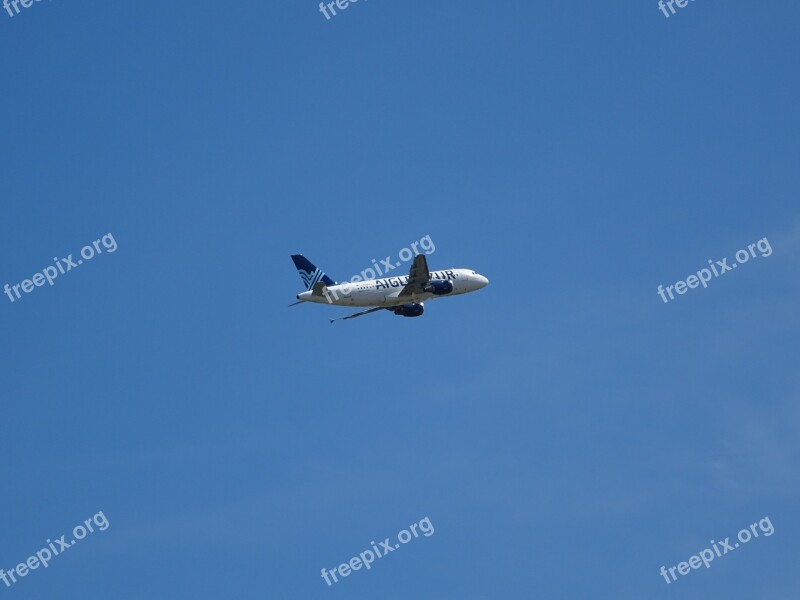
{"x": 404, "y": 296}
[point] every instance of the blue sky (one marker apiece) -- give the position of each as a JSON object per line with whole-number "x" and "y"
{"x": 565, "y": 431}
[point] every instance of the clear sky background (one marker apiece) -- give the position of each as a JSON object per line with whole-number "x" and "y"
{"x": 565, "y": 431}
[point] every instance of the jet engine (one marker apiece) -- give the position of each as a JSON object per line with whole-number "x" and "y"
{"x": 409, "y": 310}
{"x": 438, "y": 288}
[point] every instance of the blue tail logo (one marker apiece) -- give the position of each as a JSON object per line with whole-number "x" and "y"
{"x": 309, "y": 273}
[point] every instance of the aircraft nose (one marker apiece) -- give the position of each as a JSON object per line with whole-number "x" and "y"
{"x": 484, "y": 281}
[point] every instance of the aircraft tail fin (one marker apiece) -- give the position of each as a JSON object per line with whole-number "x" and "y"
{"x": 309, "y": 273}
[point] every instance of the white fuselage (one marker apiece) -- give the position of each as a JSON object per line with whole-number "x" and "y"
{"x": 386, "y": 291}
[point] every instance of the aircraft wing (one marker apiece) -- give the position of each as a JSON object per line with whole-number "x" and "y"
{"x": 358, "y": 314}
{"x": 417, "y": 277}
